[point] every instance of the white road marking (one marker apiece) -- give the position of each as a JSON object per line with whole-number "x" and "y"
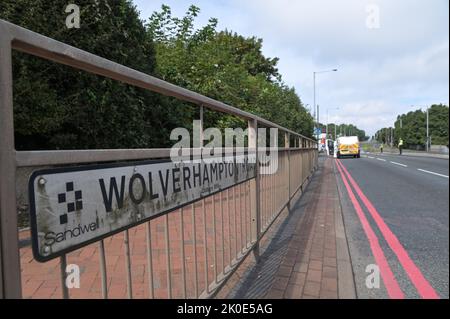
{"x": 371, "y": 157}
{"x": 437, "y": 174}
{"x": 381, "y": 159}
{"x": 400, "y": 164}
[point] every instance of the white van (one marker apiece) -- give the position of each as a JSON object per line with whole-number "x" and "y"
{"x": 348, "y": 146}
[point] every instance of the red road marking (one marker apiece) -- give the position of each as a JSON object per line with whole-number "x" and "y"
{"x": 422, "y": 285}
{"x": 389, "y": 280}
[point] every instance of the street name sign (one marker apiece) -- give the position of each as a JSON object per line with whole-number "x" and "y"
{"x": 71, "y": 207}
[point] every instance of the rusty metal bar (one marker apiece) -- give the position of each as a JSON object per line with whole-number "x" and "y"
{"x": 244, "y": 186}
{"x": 240, "y": 219}
{"x": 287, "y": 143}
{"x": 269, "y": 196}
{"x": 128, "y": 264}
{"x": 244, "y": 216}
{"x": 151, "y": 291}
{"x": 205, "y": 246}
{"x": 249, "y": 212}
{"x": 229, "y": 227}
{"x": 63, "y": 268}
{"x": 194, "y": 235}
{"x": 235, "y": 223}
{"x": 183, "y": 259}
{"x": 40, "y": 158}
{"x": 61, "y": 157}
{"x": 223, "y": 234}
{"x": 272, "y": 197}
{"x": 169, "y": 269}
{"x": 261, "y": 198}
{"x": 266, "y": 196}
{"x": 214, "y": 238}
{"x": 103, "y": 272}
{"x": 10, "y": 277}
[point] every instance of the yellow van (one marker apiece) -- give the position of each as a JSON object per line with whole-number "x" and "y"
{"x": 348, "y": 146}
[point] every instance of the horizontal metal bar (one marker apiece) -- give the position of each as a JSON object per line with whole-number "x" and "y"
{"x": 61, "y": 157}
{"x": 36, "y": 44}
{"x": 39, "y": 158}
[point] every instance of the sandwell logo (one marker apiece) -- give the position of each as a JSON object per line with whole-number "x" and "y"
{"x": 72, "y": 200}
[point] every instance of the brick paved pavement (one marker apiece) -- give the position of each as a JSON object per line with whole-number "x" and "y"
{"x": 307, "y": 255}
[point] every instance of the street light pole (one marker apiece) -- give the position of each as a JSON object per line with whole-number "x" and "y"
{"x": 428, "y": 135}
{"x": 314, "y": 81}
{"x": 316, "y": 114}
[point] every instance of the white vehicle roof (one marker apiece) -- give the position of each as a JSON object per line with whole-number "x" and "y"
{"x": 348, "y": 140}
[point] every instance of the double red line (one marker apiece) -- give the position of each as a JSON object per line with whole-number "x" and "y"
{"x": 423, "y": 287}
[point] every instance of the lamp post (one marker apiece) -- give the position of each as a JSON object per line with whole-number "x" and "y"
{"x": 316, "y": 114}
{"x": 428, "y": 132}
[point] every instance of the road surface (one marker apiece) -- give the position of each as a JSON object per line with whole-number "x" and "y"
{"x": 396, "y": 215}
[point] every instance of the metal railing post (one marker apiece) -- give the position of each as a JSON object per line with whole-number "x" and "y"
{"x": 287, "y": 139}
{"x": 10, "y": 282}
{"x": 255, "y": 185}
{"x": 63, "y": 273}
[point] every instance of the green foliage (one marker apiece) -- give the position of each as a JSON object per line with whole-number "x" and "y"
{"x": 438, "y": 124}
{"x": 411, "y": 127}
{"x": 344, "y": 130}
{"x": 224, "y": 66}
{"x": 59, "y": 107}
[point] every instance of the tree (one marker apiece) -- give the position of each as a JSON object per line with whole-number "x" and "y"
{"x": 225, "y": 66}
{"x": 56, "y": 106}
{"x": 411, "y": 127}
{"x": 59, "y": 107}
{"x": 344, "y": 130}
{"x": 438, "y": 124}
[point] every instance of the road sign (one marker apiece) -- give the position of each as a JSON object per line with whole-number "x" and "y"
{"x": 72, "y": 207}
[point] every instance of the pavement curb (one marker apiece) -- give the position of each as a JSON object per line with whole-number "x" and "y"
{"x": 346, "y": 278}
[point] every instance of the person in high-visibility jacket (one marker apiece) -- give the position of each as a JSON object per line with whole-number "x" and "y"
{"x": 400, "y": 145}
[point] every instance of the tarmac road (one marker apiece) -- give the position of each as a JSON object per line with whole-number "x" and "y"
{"x": 407, "y": 223}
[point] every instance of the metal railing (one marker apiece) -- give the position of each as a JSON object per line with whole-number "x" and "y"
{"x": 189, "y": 252}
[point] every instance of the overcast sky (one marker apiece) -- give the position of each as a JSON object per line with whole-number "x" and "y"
{"x": 386, "y": 66}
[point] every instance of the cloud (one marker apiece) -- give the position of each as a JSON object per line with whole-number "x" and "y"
{"x": 382, "y": 71}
